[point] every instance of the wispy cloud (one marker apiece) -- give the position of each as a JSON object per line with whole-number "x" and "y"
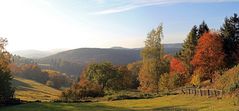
{"x": 133, "y": 4}
{"x": 100, "y": 1}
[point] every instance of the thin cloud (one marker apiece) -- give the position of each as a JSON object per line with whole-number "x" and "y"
{"x": 133, "y": 4}
{"x": 100, "y": 1}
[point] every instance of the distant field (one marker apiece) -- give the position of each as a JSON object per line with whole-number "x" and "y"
{"x": 30, "y": 90}
{"x": 173, "y": 103}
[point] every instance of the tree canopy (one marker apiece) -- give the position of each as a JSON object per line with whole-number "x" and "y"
{"x": 153, "y": 64}
{"x": 6, "y": 90}
{"x": 209, "y": 54}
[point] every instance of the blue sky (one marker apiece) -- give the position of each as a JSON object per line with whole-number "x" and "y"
{"x": 55, "y": 24}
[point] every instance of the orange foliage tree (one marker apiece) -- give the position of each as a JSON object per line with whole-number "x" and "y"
{"x": 178, "y": 71}
{"x": 176, "y": 65}
{"x": 209, "y": 54}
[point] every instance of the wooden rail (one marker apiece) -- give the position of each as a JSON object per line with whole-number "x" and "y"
{"x": 203, "y": 92}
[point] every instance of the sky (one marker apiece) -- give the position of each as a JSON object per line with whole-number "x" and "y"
{"x": 69, "y": 24}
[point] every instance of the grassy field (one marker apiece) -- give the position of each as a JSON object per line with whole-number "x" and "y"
{"x": 30, "y": 90}
{"x": 173, "y": 103}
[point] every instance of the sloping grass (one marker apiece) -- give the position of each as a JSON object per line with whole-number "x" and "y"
{"x": 171, "y": 103}
{"x": 31, "y": 91}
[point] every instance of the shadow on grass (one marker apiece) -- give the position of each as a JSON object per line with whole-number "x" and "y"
{"x": 63, "y": 107}
{"x": 17, "y": 83}
{"x": 84, "y": 107}
{"x": 173, "y": 108}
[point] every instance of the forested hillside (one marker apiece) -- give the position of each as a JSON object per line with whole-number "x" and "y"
{"x": 72, "y": 61}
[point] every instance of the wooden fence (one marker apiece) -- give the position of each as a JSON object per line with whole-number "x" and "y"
{"x": 203, "y": 92}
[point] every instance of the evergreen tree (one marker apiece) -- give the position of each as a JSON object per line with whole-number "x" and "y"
{"x": 230, "y": 34}
{"x": 153, "y": 65}
{"x": 202, "y": 29}
{"x": 6, "y": 90}
{"x": 189, "y": 45}
{"x": 188, "y": 49}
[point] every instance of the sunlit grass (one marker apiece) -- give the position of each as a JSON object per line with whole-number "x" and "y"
{"x": 30, "y": 90}
{"x": 174, "y": 102}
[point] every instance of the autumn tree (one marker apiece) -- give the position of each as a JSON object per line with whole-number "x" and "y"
{"x": 178, "y": 71}
{"x": 152, "y": 65}
{"x": 81, "y": 90}
{"x": 209, "y": 54}
{"x": 188, "y": 49}
{"x": 177, "y": 66}
{"x": 6, "y": 90}
{"x": 230, "y": 34}
{"x": 56, "y": 79}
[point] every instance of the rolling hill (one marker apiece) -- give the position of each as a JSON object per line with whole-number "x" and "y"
{"x": 31, "y": 91}
{"x": 72, "y": 61}
{"x": 116, "y": 55}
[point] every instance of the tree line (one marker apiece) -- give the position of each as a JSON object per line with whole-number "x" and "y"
{"x": 204, "y": 60}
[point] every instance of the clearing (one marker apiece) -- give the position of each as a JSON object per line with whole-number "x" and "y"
{"x": 31, "y": 91}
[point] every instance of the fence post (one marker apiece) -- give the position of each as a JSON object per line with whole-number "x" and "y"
{"x": 215, "y": 92}
{"x": 195, "y": 91}
{"x": 220, "y": 94}
{"x": 203, "y": 92}
{"x": 208, "y": 91}
{"x": 200, "y": 92}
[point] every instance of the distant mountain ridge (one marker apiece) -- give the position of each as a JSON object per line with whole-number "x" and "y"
{"x": 34, "y": 54}
{"x": 86, "y": 55}
{"x": 116, "y": 55}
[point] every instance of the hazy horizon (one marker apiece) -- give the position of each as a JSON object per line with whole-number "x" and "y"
{"x": 48, "y": 24}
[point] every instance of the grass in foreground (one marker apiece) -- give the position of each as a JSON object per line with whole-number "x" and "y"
{"x": 31, "y": 91}
{"x": 174, "y": 102}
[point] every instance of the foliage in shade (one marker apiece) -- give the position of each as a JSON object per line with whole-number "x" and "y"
{"x": 6, "y": 90}
{"x": 230, "y": 34}
{"x": 134, "y": 68}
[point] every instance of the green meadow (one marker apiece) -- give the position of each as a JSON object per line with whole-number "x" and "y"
{"x": 165, "y": 103}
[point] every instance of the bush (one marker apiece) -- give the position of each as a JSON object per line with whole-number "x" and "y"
{"x": 177, "y": 80}
{"x": 169, "y": 82}
{"x": 229, "y": 81}
{"x": 164, "y": 84}
{"x": 82, "y": 90}
{"x": 10, "y": 101}
{"x": 236, "y": 100}
{"x": 129, "y": 95}
{"x": 196, "y": 78}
